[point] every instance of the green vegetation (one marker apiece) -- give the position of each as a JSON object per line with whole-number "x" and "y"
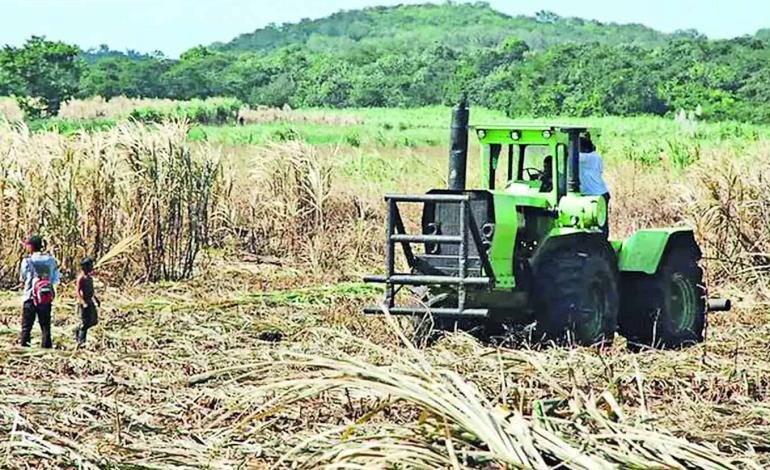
{"x": 209, "y": 111}
{"x": 68, "y": 126}
{"x": 422, "y": 55}
{"x": 461, "y": 26}
{"x": 42, "y": 75}
{"x": 642, "y": 139}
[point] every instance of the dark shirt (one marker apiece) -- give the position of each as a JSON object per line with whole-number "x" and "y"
{"x": 86, "y": 288}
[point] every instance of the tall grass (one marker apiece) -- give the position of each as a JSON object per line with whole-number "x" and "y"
{"x": 115, "y": 108}
{"x": 728, "y": 199}
{"x": 263, "y": 115}
{"x": 291, "y": 204}
{"x": 88, "y": 192}
{"x": 9, "y": 110}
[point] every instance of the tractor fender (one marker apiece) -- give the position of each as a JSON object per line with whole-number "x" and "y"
{"x": 563, "y": 237}
{"x": 643, "y": 251}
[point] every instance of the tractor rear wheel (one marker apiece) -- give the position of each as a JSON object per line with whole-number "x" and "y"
{"x": 667, "y": 309}
{"x": 575, "y": 294}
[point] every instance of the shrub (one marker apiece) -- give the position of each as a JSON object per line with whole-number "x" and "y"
{"x": 209, "y": 111}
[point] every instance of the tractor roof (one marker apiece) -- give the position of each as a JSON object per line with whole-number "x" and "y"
{"x": 556, "y": 127}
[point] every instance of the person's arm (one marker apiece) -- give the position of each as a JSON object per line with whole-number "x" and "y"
{"x": 23, "y": 272}
{"x": 54, "y": 271}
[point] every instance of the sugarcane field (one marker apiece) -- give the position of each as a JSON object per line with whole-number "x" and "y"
{"x": 390, "y": 235}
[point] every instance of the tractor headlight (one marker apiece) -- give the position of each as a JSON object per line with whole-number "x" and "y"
{"x": 547, "y": 134}
{"x": 515, "y": 135}
{"x": 488, "y": 230}
{"x": 481, "y": 133}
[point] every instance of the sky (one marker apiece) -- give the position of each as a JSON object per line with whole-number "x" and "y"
{"x": 173, "y": 26}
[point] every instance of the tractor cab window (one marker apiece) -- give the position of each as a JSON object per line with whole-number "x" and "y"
{"x": 531, "y": 162}
{"x": 535, "y": 165}
{"x": 501, "y": 165}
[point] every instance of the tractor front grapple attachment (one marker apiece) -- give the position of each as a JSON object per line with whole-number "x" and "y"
{"x": 455, "y": 254}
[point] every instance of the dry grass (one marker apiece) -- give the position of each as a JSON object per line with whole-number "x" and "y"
{"x": 263, "y": 115}
{"x": 89, "y": 192}
{"x": 730, "y": 205}
{"x": 120, "y": 107}
{"x": 115, "y": 108}
{"x": 643, "y": 196}
{"x": 292, "y": 205}
{"x": 9, "y": 110}
{"x": 186, "y": 377}
{"x": 251, "y": 364}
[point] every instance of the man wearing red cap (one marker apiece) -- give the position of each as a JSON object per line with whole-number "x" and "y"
{"x": 39, "y": 276}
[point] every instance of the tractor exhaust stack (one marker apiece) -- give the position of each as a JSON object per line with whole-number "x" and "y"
{"x": 573, "y": 175}
{"x": 458, "y": 142}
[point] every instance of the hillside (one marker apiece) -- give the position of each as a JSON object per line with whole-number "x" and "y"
{"x": 422, "y": 55}
{"x": 458, "y": 25}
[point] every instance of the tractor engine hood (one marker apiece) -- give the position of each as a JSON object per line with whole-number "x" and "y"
{"x": 526, "y": 195}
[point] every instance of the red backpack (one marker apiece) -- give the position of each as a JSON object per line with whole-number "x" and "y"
{"x": 42, "y": 288}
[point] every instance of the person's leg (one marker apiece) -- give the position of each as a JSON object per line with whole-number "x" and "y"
{"x": 44, "y": 317}
{"x": 94, "y": 316}
{"x": 80, "y": 333}
{"x": 88, "y": 319}
{"x": 27, "y": 322}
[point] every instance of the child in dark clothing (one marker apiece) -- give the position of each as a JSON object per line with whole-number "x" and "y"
{"x": 87, "y": 300}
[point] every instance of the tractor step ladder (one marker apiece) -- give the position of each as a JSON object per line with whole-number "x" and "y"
{"x": 396, "y": 234}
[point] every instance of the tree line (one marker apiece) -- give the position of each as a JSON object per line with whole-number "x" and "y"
{"x": 724, "y": 79}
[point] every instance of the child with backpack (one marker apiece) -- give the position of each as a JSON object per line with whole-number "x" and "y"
{"x": 87, "y": 300}
{"x": 39, "y": 276}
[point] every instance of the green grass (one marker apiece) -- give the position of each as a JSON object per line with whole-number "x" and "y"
{"x": 69, "y": 127}
{"x": 644, "y": 138}
{"x": 381, "y": 127}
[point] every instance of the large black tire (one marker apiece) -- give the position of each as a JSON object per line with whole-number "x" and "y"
{"x": 667, "y": 309}
{"x": 575, "y": 294}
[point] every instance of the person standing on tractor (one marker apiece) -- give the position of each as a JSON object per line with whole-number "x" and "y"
{"x": 592, "y": 176}
{"x": 39, "y": 276}
{"x": 87, "y": 300}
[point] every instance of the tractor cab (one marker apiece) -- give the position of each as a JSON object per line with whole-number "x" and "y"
{"x": 538, "y": 167}
{"x": 531, "y": 160}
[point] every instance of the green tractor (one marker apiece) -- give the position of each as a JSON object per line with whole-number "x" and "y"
{"x": 527, "y": 248}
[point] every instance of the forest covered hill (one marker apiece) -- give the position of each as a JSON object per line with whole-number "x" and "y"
{"x": 458, "y": 25}
{"x": 416, "y": 55}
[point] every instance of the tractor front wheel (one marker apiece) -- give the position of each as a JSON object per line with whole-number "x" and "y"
{"x": 667, "y": 309}
{"x": 575, "y": 295}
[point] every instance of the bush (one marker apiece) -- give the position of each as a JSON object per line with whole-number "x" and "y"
{"x": 285, "y": 134}
{"x": 353, "y": 139}
{"x": 209, "y": 111}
